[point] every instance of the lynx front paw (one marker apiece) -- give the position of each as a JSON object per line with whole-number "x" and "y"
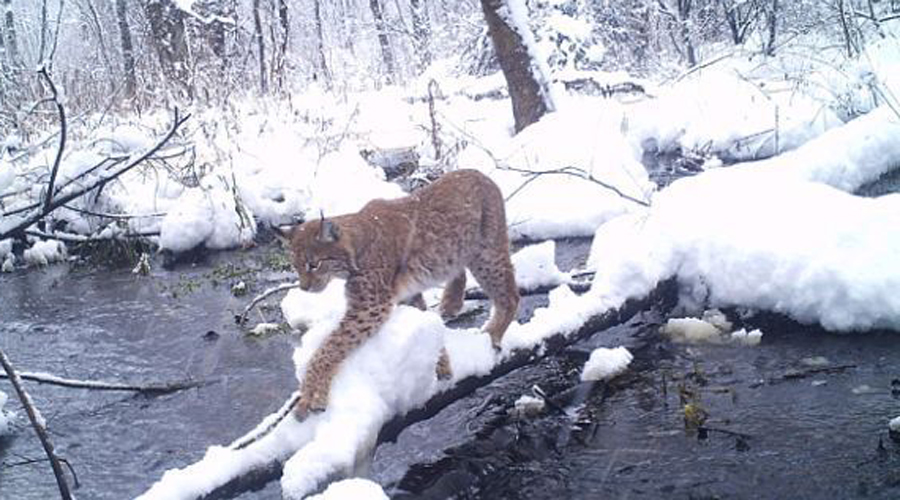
{"x": 311, "y": 402}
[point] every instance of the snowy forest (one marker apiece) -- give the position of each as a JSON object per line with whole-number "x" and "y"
{"x": 701, "y": 199}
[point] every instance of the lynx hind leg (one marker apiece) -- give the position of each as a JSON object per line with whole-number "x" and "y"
{"x": 496, "y": 276}
{"x": 454, "y": 294}
{"x": 443, "y": 369}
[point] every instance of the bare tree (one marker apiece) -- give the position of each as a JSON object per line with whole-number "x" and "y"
{"x": 386, "y": 53}
{"x": 260, "y": 47}
{"x": 421, "y": 33}
{"x": 282, "y": 48}
{"x": 320, "y": 43}
{"x": 772, "y": 27}
{"x": 740, "y": 17}
{"x": 127, "y": 49}
{"x": 12, "y": 42}
{"x": 530, "y": 97}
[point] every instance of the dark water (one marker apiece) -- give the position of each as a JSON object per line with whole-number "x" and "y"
{"x": 802, "y": 435}
{"x": 111, "y": 325}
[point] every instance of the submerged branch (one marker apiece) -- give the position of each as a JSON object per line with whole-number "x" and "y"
{"x": 165, "y": 388}
{"x": 242, "y": 317}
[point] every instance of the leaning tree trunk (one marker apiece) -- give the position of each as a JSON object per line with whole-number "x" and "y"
{"x": 127, "y": 49}
{"x": 281, "y": 53}
{"x": 529, "y": 94}
{"x": 386, "y": 53}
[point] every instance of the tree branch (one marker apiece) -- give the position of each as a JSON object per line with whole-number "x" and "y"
{"x": 48, "y": 198}
{"x": 165, "y": 388}
{"x": 37, "y": 215}
{"x": 37, "y": 422}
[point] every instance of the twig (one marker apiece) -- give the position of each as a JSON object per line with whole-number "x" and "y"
{"x": 266, "y": 427}
{"x": 241, "y": 318}
{"x": 577, "y": 287}
{"x": 574, "y": 172}
{"x": 37, "y": 422}
{"x": 795, "y": 375}
{"x": 48, "y": 198}
{"x": 47, "y": 378}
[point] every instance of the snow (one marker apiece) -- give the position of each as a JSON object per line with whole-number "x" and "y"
{"x": 5, "y": 417}
{"x": 352, "y": 489}
{"x": 528, "y": 406}
{"x": 713, "y": 328}
{"x": 45, "y": 252}
{"x": 893, "y": 425}
{"x": 535, "y": 266}
{"x": 605, "y": 363}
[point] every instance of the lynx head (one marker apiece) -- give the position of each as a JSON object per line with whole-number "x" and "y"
{"x": 320, "y": 253}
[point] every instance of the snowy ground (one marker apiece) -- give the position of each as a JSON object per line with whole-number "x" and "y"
{"x": 784, "y": 234}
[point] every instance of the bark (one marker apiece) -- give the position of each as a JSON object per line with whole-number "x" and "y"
{"x": 127, "y": 49}
{"x": 421, "y": 33}
{"x": 260, "y": 48}
{"x": 529, "y": 100}
{"x": 386, "y": 53}
{"x": 167, "y": 25}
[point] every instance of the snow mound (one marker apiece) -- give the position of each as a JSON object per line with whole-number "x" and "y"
{"x": 541, "y": 173}
{"x": 527, "y": 406}
{"x": 45, "y": 252}
{"x": 535, "y": 266}
{"x": 352, "y": 489}
{"x": 304, "y": 309}
{"x": 713, "y": 328}
{"x": 765, "y": 242}
{"x": 5, "y": 418}
{"x": 893, "y": 425}
{"x": 211, "y": 215}
{"x": 606, "y": 363}
{"x": 344, "y": 183}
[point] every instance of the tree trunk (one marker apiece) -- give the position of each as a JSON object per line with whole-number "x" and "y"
{"x": 772, "y": 22}
{"x": 281, "y": 56}
{"x": 684, "y": 18}
{"x": 386, "y": 52}
{"x": 168, "y": 29}
{"x": 127, "y": 49}
{"x": 261, "y": 48}
{"x": 530, "y": 99}
{"x": 421, "y": 33}
{"x": 320, "y": 42}
{"x": 12, "y": 43}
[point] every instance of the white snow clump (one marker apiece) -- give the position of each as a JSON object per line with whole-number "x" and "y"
{"x": 606, "y": 363}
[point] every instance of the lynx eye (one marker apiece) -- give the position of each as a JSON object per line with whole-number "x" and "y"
{"x": 312, "y": 266}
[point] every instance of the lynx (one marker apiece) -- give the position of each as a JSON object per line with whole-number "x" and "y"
{"x": 392, "y": 250}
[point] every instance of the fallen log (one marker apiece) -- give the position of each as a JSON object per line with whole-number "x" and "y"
{"x": 663, "y": 296}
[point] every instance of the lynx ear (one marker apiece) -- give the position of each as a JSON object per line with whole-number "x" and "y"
{"x": 329, "y": 232}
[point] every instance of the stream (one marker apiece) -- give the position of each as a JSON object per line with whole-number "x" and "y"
{"x": 803, "y": 415}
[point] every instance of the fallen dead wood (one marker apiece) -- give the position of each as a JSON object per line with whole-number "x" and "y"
{"x": 38, "y": 212}
{"x": 664, "y": 296}
{"x": 39, "y": 425}
{"x": 242, "y": 317}
{"x": 164, "y": 388}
